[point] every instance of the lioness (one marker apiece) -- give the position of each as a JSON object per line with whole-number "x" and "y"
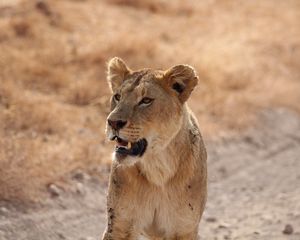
{"x": 157, "y": 187}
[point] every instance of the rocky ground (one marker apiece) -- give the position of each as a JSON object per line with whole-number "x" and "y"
{"x": 254, "y": 192}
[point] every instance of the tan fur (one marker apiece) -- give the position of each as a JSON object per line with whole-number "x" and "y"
{"x": 162, "y": 194}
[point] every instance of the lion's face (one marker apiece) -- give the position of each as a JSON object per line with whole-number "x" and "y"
{"x": 146, "y": 108}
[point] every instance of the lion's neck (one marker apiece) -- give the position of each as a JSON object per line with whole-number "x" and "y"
{"x": 160, "y": 166}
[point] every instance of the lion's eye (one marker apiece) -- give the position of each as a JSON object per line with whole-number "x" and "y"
{"x": 146, "y": 101}
{"x": 117, "y": 97}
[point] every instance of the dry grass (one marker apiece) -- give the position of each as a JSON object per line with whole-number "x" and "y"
{"x": 178, "y": 8}
{"x": 52, "y": 68}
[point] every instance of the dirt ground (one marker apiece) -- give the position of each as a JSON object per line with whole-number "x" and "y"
{"x": 254, "y": 183}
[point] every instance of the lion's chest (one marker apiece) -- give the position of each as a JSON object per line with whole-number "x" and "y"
{"x": 166, "y": 212}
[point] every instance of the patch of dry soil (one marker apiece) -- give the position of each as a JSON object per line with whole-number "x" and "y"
{"x": 254, "y": 192}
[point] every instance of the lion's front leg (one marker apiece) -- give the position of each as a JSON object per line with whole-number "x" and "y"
{"x": 119, "y": 227}
{"x": 119, "y": 230}
{"x": 121, "y": 224}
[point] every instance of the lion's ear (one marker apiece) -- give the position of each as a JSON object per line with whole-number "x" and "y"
{"x": 181, "y": 79}
{"x": 116, "y": 72}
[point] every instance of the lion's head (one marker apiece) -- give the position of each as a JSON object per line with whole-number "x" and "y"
{"x": 146, "y": 107}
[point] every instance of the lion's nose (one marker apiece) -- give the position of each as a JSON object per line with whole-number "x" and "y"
{"x": 116, "y": 125}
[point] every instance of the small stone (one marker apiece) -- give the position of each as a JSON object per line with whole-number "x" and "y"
{"x": 80, "y": 189}
{"x": 80, "y": 176}
{"x": 211, "y": 219}
{"x": 54, "y": 190}
{"x": 288, "y": 229}
{"x": 3, "y": 210}
{"x": 223, "y": 225}
{"x": 61, "y": 236}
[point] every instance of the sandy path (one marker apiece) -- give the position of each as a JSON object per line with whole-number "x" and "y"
{"x": 254, "y": 191}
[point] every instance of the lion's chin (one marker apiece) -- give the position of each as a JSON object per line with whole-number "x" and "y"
{"x": 125, "y": 161}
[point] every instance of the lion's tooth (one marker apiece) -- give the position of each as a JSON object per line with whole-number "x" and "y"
{"x": 129, "y": 145}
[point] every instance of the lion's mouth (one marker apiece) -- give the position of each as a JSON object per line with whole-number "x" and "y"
{"x": 125, "y": 148}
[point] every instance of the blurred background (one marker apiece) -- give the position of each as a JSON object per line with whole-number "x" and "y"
{"x": 54, "y": 102}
